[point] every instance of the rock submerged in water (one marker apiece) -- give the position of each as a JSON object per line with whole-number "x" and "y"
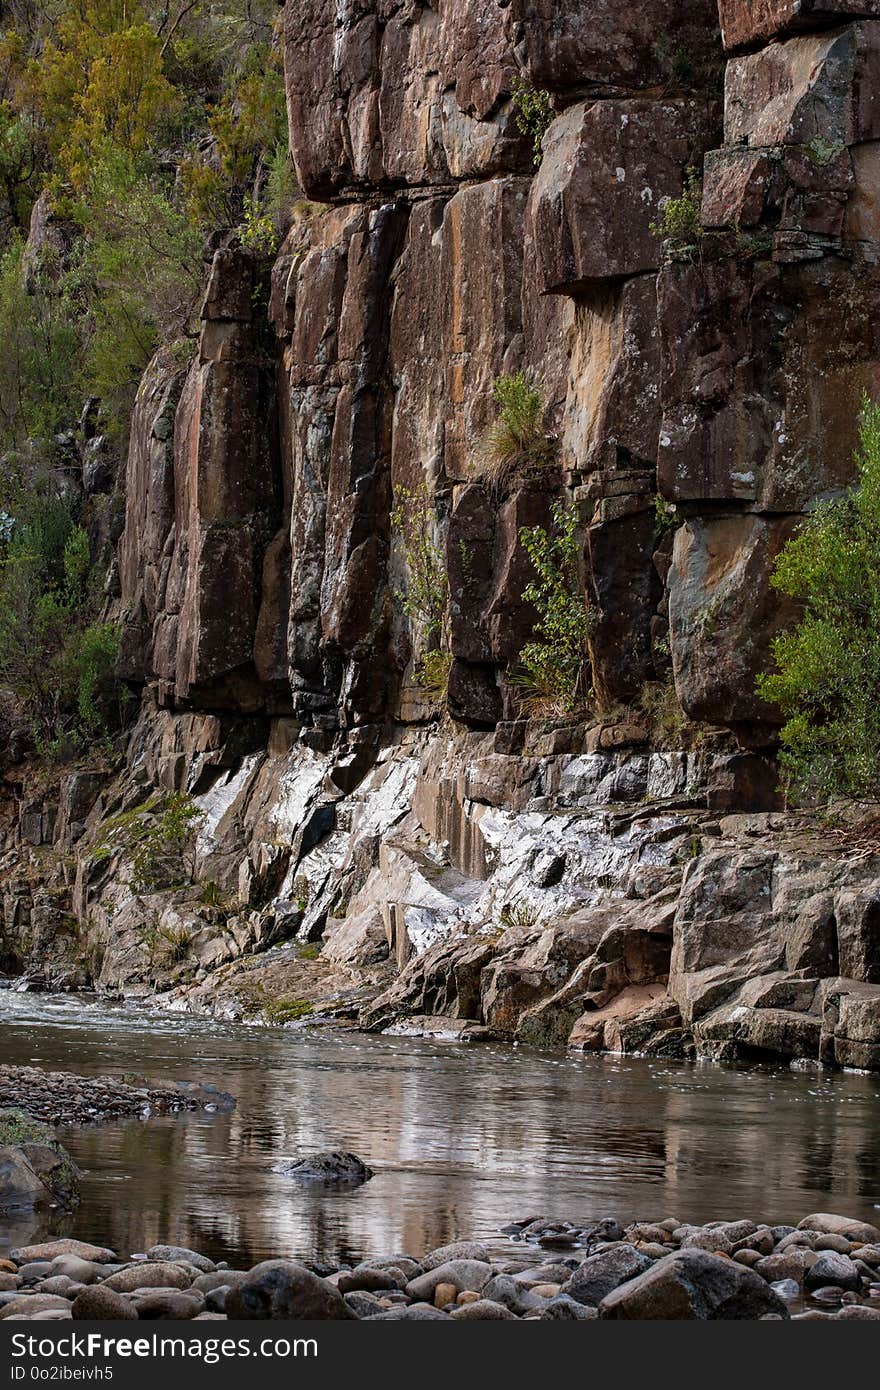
{"x": 333, "y": 1168}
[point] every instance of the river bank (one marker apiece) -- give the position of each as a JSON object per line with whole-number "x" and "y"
{"x": 63, "y": 1098}
{"x": 826, "y": 1267}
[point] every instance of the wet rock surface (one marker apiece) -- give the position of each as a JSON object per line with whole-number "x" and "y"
{"x": 662, "y": 1270}
{"x": 333, "y": 1168}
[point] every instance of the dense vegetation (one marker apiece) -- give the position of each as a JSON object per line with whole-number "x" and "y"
{"x": 827, "y": 676}
{"x": 132, "y": 134}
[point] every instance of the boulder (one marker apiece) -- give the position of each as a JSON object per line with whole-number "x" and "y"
{"x": 458, "y": 1250}
{"x": 284, "y": 1289}
{"x": 603, "y": 1272}
{"x": 146, "y": 1275}
{"x": 52, "y": 1249}
{"x": 820, "y": 87}
{"x": 32, "y": 1303}
{"x": 464, "y": 1274}
{"x": 833, "y": 1269}
{"x": 161, "y": 1254}
{"x": 332, "y": 1168}
{"x": 168, "y": 1303}
{"x": 483, "y": 1310}
{"x": 693, "y": 1284}
{"x": 607, "y": 169}
{"x": 100, "y": 1304}
{"x": 829, "y": 1224}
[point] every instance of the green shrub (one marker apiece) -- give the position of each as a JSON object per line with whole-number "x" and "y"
{"x": 413, "y": 521}
{"x": 679, "y": 224}
{"x": 532, "y": 113}
{"x": 258, "y": 233}
{"x": 826, "y": 680}
{"x": 57, "y": 659}
{"x": 164, "y": 856}
{"x": 554, "y": 671}
{"x": 39, "y": 387}
{"x": 667, "y": 719}
{"x": 517, "y": 445}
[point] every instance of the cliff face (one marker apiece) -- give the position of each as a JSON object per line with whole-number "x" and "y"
{"x": 520, "y": 875}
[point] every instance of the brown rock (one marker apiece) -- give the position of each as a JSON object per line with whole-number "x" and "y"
{"x": 51, "y": 1250}
{"x": 607, "y": 169}
{"x": 32, "y": 1303}
{"x": 98, "y": 1303}
{"x": 830, "y": 1224}
{"x": 148, "y": 1276}
{"x": 693, "y": 1284}
{"x": 820, "y": 87}
{"x": 745, "y": 23}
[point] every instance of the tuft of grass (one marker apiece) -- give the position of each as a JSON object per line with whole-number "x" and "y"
{"x": 517, "y": 916}
{"x": 433, "y": 674}
{"x": 517, "y": 445}
{"x": 666, "y": 717}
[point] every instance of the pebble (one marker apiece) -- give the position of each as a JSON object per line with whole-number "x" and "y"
{"x": 648, "y": 1266}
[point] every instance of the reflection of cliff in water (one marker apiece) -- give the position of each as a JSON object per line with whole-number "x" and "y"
{"x": 462, "y": 1139}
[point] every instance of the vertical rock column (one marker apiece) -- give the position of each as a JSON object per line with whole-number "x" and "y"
{"x": 769, "y": 333}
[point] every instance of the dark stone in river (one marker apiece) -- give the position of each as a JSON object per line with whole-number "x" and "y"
{"x": 831, "y": 1268}
{"x": 604, "y": 1272}
{"x": 282, "y": 1289}
{"x": 333, "y": 1166}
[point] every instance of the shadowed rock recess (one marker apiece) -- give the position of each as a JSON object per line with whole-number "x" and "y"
{"x": 365, "y": 849}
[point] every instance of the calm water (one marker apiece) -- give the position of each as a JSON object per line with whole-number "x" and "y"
{"x": 462, "y": 1139}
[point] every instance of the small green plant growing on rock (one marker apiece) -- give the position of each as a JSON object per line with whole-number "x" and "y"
{"x": 427, "y": 590}
{"x": 167, "y": 946}
{"x": 258, "y": 233}
{"x": 519, "y": 915}
{"x": 287, "y": 1010}
{"x": 666, "y": 515}
{"x": 826, "y": 679}
{"x": 554, "y": 673}
{"x": 164, "y": 854}
{"x": 532, "y": 114}
{"x": 433, "y": 673}
{"x": 676, "y": 62}
{"x": 302, "y": 893}
{"x": 679, "y": 224}
{"x": 517, "y": 445}
{"x": 667, "y": 719}
{"x": 823, "y": 152}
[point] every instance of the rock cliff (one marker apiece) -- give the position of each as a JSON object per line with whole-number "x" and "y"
{"x": 630, "y": 882}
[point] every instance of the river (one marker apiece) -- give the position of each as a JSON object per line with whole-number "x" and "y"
{"x": 462, "y": 1139}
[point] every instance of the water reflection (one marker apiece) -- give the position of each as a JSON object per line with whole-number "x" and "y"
{"x": 461, "y": 1139}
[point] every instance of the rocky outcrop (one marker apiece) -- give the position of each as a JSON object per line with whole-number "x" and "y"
{"x": 35, "y": 1169}
{"x": 625, "y": 880}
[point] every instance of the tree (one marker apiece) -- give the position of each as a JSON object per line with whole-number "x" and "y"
{"x": 555, "y": 670}
{"x": 826, "y": 679}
